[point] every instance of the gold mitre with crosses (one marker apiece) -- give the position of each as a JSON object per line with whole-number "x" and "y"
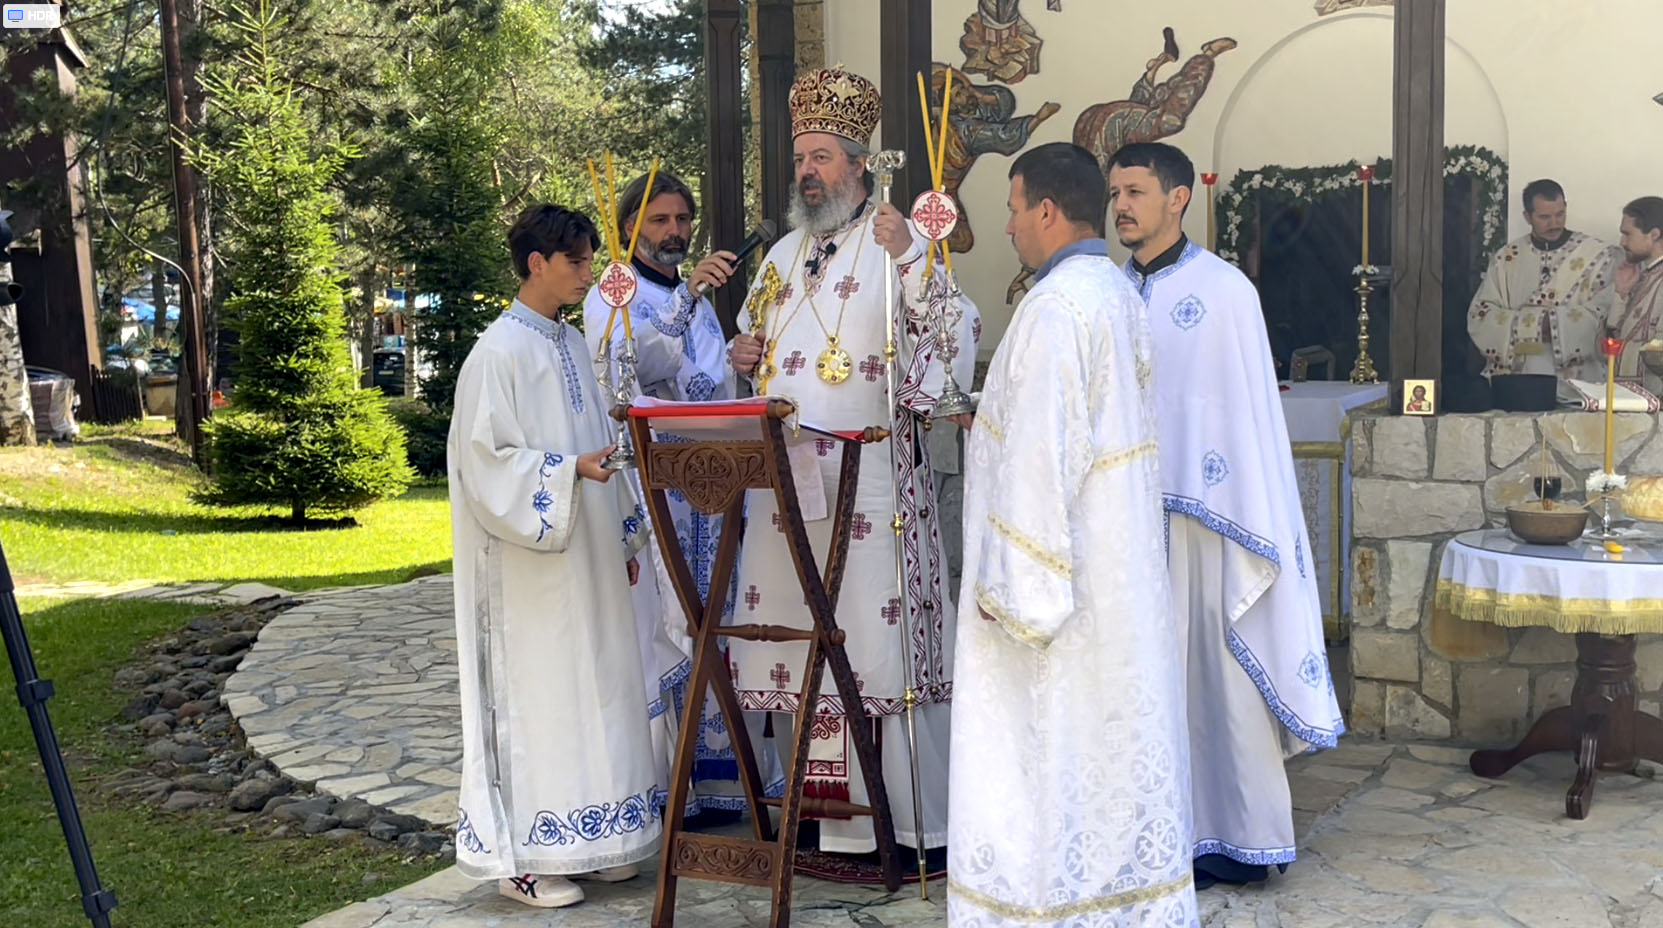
{"x": 836, "y": 101}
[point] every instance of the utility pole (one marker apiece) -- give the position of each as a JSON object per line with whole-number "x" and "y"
{"x": 192, "y": 411}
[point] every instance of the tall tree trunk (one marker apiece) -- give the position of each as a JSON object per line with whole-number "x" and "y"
{"x": 191, "y": 13}
{"x": 158, "y": 297}
{"x": 368, "y": 285}
{"x": 17, "y": 413}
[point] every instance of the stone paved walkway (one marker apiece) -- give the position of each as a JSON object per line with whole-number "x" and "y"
{"x": 1415, "y": 840}
{"x": 204, "y": 594}
{"x": 356, "y": 692}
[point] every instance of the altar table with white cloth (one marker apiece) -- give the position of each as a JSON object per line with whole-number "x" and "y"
{"x": 1319, "y": 413}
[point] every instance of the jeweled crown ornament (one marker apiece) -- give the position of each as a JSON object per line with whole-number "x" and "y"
{"x": 836, "y": 101}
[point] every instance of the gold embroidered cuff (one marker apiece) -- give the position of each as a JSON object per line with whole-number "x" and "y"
{"x": 1116, "y": 459}
{"x": 1022, "y": 632}
{"x": 1051, "y": 561}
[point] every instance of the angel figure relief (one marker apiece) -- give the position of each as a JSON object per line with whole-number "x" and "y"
{"x": 982, "y": 121}
{"x": 1152, "y": 111}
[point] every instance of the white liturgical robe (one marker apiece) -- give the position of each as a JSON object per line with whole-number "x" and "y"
{"x": 1070, "y": 801}
{"x": 832, "y": 286}
{"x": 1246, "y": 590}
{"x": 680, "y": 355}
{"x": 559, "y": 774}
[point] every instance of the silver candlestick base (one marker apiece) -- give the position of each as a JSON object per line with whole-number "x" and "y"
{"x": 953, "y": 402}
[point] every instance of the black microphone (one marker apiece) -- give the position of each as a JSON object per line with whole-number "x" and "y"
{"x": 761, "y": 235}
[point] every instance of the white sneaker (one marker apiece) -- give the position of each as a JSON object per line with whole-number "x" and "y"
{"x": 545, "y": 892}
{"x": 611, "y": 874}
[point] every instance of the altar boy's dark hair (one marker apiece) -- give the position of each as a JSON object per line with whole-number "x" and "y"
{"x": 548, "y": 230}
{"x": 1170, "y": 166}
{"x": 1068, "y": 176}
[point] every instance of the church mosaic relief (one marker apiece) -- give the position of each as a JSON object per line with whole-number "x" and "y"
{"x": 1153, "y": 110}
{"x": 1000, "y": 43}
{"x": 1325, "y": 7}
{"x": 982, "y": 121}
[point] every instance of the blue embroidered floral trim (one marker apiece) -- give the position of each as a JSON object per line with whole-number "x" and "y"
{"x": 1146, "y": 286}
{"x": 1189, "y": 312}
{"x": 1241, "y": 536}
{"x": 1313, "y": 669}
{"x": 634, "y": 522}
{"x": 1256, "y": 672}
{"x": 1261, "y": 856}
{"x": 543, "y": 500}
{"x": 597, "y": 822}
{"x": 673, "y": 678}
{"x": 574, "y": 386}
{"x": 1299, "y": 553}
{"x": 1214, "y": 468}
{"x": 700, "y": 388}
{"x": 466, "y": 837}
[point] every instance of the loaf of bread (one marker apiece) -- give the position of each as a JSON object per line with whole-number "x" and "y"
{"x": 1643, "y": 499}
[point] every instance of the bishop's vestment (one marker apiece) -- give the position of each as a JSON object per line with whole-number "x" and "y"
{"x": 1259, "y": 688}
{"x": 680, "y": 356}
{"x": 559, "y": 774}
{"x": 1070, "y": 800}
{"x": 815, "y": 296}
{"x": 1564, "y": 287}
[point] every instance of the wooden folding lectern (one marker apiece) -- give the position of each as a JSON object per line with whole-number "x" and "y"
{"x": 724, "y": 449}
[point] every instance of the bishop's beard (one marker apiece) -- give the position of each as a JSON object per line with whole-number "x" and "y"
{"x": 832, "y": 212}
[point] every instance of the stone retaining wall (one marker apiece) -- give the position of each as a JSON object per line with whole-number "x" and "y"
{"x": 1420, "y": 673}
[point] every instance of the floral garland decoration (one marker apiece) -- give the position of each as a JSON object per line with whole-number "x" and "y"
{"x": 1238, "y": 201}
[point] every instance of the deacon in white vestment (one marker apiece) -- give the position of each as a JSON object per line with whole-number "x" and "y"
{"x": 558, "y": 772}
{"x": 816, "y": 334}
{"x": 1248, "y": 602}
{"x": 1550, "y": 289}
{"x": 1072, "y": 810}
{"x": 680, "y": 355}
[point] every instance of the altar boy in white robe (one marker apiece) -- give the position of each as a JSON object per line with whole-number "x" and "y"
{"x": 680, "y": 355}
{"x": 1246, "y": 590}
{"x": 1070, "y": 798}
{"x": 559, "y": 777}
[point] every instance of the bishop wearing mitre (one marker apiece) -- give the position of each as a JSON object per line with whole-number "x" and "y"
{"x": 817, "y": 336}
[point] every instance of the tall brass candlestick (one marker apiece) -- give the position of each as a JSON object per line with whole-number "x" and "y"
{"x": 1210, "y": 180}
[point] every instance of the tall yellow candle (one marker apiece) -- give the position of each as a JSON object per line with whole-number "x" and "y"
{"x": 1610, "y": 414}
{"x": 1366, "y": 174}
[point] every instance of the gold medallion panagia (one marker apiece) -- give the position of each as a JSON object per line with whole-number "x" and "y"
{"x": 834, "y": 364}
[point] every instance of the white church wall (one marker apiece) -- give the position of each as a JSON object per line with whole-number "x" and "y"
{"x": 1558, "y": 89}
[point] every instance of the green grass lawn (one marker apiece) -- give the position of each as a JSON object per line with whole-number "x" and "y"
{"x": 167, "y": 870}
{"x": 115, "y": 508}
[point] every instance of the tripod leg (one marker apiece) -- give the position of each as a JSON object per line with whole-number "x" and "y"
{"x": 33, "y": 693}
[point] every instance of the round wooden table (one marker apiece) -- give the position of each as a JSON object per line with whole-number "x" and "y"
{"x": 1605, "y": 599}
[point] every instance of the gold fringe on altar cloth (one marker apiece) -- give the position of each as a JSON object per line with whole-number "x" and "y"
{"x": 1521, "y": 610}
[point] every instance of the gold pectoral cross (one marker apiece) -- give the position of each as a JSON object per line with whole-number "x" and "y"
{"x": 766, "y": 294}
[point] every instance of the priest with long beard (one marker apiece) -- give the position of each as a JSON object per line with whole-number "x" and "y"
{"x": 817, "y": 335}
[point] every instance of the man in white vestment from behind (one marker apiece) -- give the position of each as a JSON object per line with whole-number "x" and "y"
{"x": 1245, "y": 586}
{"x": 1073, "y": 810}
{"x": 681, "y": 355}
{"x": 559, "y": 777}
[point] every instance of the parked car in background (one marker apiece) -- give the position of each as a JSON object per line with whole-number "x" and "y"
{"x": 388, "y": 374}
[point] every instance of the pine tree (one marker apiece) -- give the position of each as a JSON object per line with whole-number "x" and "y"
{"x": 299, "y": 432}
